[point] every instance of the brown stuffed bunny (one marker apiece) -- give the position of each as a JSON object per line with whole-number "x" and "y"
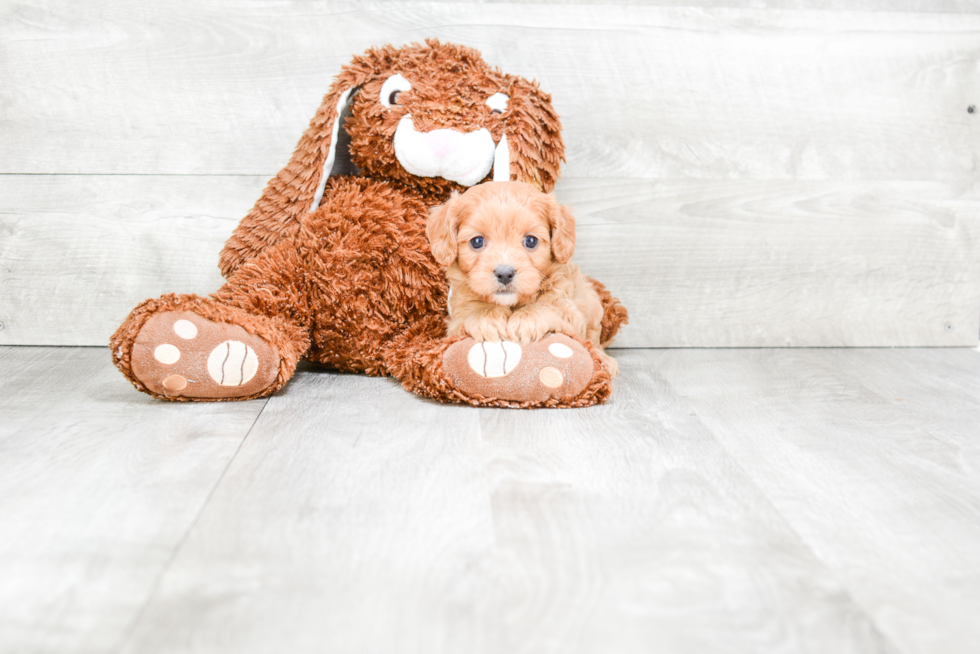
{"x": 333, "y": 265}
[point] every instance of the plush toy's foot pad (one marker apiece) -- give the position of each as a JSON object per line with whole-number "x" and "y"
{"x": 554, "y": 367}
{"x": 181, "y": 354}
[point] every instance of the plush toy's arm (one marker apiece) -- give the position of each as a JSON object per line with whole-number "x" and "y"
{"x": 271, "y": 220}
{"x": 278, "y": 213}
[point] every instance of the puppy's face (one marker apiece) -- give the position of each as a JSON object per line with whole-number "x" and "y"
{"x": 505, "y": 237}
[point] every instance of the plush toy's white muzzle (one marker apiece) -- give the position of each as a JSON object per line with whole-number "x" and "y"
{"x": 461, "y": 158}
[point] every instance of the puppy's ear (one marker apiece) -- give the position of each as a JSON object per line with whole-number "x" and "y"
{"x": 442, "y": 230}
{"x": 562, "y": 225}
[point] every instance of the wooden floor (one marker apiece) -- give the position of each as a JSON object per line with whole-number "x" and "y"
{"x": 742, "y": 500}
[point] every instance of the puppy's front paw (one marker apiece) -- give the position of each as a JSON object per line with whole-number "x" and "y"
{"x": 487, "y": 330}
{"x": 525, "y": 329}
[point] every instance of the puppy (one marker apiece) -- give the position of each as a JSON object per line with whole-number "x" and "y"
{"x": 506, "y": 247}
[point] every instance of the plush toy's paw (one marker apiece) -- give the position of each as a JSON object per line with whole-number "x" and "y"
{"x": 181, "y": 354}
{"x": 556, "y": 367}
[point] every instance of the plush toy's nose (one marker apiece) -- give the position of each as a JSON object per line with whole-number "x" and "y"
{"x": 443, "y": 142}
{"x": 504, "y": 274}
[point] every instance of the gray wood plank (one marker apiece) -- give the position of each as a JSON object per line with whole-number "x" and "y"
{"x": 77, "y": 253}
{"x": 935, "y": 389}
{"x": 628, "y": 528}
{"x": 98, "y": 487}
{"x": 929, "y": 6}
{"x": 773, "y": 264}
{"x": 698, "y": 263}
{"x": 358, "y": 518}
{"x": 888, "y": 498}
{"x": 644, "y": 91}
{"x": 354, "y": 519}
{"x": 725, "y": 500}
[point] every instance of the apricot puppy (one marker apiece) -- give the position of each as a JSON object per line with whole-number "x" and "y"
{"x": 507, "y": 247}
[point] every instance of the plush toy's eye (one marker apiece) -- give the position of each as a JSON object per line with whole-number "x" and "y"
{"x": 498, "y": 103}
{"x": 393, "y": 86}
{"x": 530, "y": 242}
{"x": 477, "y": 242}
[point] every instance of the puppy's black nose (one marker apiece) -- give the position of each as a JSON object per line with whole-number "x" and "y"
{"x": 504, "y": 274}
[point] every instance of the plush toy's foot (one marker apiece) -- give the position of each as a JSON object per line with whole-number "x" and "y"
{"x": 552, "y": 371}
{"x": 181, "y": 354}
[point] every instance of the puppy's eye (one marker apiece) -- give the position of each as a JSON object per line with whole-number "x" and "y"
{"x": 530, "y": 242}
{"x": 498, "y": 103}
{"x": 392, "y": 88}
{"x": 476, "y": 242}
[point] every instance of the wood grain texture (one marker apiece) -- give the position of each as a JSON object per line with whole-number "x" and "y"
{"x": 644, "y": 91}
{"x": 627, "y": 528}
{"x": 725, "y": 500}
{"x": 354, "y": 519}
{"x": 883, "y": 487}
{"x": 77, "y": 253}
{"x": 428, "y": 528}
{"x": 937, "y": 389}
{"x": 763, "y": 264}
{"x": 98, "y": 486}
{"x": 698, "y": 264}
{"x": 928, "y": 6}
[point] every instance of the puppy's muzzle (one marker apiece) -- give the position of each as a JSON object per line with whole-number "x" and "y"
{"x": 504, "y": 274}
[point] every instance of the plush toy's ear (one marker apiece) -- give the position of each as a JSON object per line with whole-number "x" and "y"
{"x": 323, "y": 150}
{"x": 442, "y": 230}
{"x": 534, "y": 145}
{"x": 338, "y": 161}
{"x": 562, "y": 224}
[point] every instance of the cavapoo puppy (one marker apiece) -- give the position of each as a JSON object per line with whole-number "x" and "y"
{"x": 507, "y": 248}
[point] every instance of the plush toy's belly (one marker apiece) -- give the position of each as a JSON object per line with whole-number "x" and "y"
{"x": 371, "y": 273}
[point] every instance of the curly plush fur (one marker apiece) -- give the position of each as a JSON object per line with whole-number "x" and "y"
{"x": 346, "y": 278}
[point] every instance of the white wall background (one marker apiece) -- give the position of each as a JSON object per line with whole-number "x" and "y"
{"x": 744, "y": 173}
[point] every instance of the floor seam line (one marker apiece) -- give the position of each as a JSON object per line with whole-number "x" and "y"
{"x": 845, "y": 588}
{"x": 137, "y": 618}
